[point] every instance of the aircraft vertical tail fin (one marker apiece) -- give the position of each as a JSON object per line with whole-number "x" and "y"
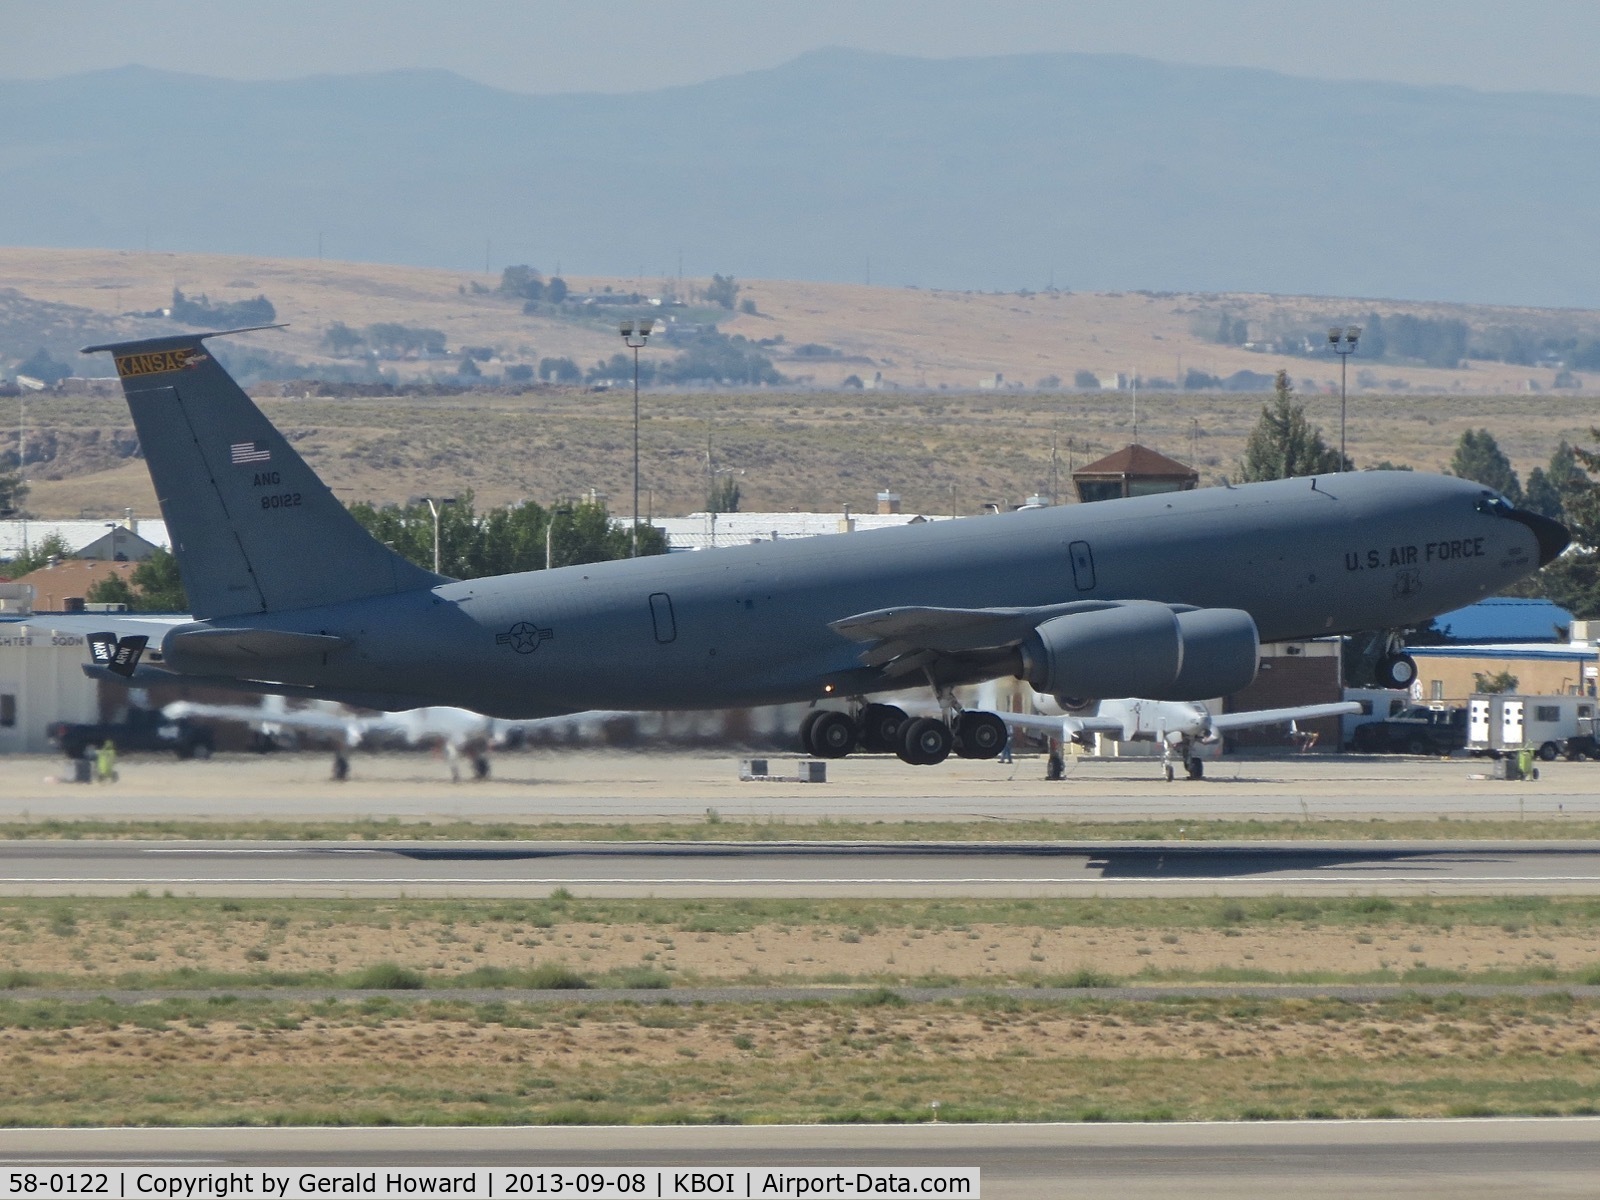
{"x": 252, "y": 527}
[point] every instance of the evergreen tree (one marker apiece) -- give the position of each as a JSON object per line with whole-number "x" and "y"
{"x": 158, "y": 587}
{"x": 1284, "y": 445}
{"x": 1542, "y": 496}
{"x": 1573, "y": 580}
{"x": 724, "y": 497}
{"x": 12, "y": 492}
{"x": 113, "y": 589}
{"x": 1478, "y": 457}
{"x": 502, "y": 541}
{"x": 38, "y": 555}
{"x": 1565, "y": 472}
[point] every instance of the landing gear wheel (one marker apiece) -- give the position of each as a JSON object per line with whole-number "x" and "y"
{"x": 1396, "y": 671}
{"x": 807, "y": 723}
{"x": 480, "y": 766}
{"x": 833, "y": 734}
{"x": 880, "y": 728}
{"x": 1196, "y": 768}
{"x": 979, "y": 735}
{"x": 341, "y": 767}
{"x": 925, "y": 742}
{"x": 1166, "y": 769}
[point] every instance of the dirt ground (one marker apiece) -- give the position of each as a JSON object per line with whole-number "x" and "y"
{"x": 603, "y": 1037}
{"x": 604, "y": 784}
{"x": 75, "y": 945}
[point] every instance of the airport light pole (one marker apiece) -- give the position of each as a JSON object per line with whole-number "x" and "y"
{"x": 1343, "y": 342}
{"x": 434, "y": 507}
{"x": 634, "y": 338}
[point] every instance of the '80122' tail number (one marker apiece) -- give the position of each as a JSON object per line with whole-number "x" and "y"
{"x": 281, "y": 500}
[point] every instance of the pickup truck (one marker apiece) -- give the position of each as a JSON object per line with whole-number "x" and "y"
{"x": 144, "y": 729}
{"x": 1416, "y": 730}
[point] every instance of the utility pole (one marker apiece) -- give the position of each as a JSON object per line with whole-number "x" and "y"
{"x": 435, "y": 507}
{"x": 635, "y": 341}
{"x": 1343, "y": 342}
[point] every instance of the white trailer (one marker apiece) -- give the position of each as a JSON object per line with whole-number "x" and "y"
{"x": 1502, "y": 723}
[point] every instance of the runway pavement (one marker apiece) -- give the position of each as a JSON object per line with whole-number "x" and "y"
{"x": 1307, "y": 1160}
{"x": 612, "y": 786}
{"x": 529, "y": 869}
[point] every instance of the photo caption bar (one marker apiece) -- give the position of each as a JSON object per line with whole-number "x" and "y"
{"x": 542, "y": 1183}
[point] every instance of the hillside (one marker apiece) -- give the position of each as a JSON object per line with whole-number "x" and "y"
{"x": 1085, "y": 171}
{"x": 944, "y": 444}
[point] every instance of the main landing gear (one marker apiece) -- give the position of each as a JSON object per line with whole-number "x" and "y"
{"x": 887, "y": 729}
{"x": 1396, "y": 670}
{"x": 1381, "y": 658}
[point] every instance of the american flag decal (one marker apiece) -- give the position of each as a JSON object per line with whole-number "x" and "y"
{"x": 242, "y": 453}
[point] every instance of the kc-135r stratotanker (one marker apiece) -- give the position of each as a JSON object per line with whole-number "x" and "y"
{"x": 1165, "y": 597}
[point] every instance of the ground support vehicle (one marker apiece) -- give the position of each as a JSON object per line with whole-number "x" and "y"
{"x": 1555, "y": 726}
{"x": 1417, "y": 730}
{"x": 143, "y": 729}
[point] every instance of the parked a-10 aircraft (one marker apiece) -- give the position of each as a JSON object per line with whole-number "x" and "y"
{"x": 1179, "y": 727}
{"x": 461, "y": 734}
{"x": 1165, "y": 596}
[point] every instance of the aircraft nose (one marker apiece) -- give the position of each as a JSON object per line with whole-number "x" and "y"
{"x": 1552, "y": 536}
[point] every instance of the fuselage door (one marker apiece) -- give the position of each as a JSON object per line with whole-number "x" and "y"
{"x": 661, "y": 615}
{"x": 1082, "y": 565}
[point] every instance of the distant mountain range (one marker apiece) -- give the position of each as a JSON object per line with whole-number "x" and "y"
{"x": 1086, "y": 171}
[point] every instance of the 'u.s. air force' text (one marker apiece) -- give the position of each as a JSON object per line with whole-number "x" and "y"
{"x": 1410, "y": 556}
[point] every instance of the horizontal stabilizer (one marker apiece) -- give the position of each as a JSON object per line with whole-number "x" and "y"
{"x": 148, "y": 676}
{"x": 245, "y": 645}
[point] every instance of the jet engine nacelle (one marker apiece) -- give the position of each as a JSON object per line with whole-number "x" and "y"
{"x": 1143, "y": 649}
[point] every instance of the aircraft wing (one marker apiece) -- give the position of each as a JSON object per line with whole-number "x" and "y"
{"x": 253, "y": 714}
{"x": 119, "y": 624}
{"x": 1061, "y": 727}
{"x": 1281, "y": 716}
{"x": 909, "y": 637}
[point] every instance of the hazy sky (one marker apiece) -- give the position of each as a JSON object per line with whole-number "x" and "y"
{"x": 628, "y": 45}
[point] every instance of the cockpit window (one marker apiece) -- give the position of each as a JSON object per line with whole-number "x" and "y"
{"x": 1496, "y": 505}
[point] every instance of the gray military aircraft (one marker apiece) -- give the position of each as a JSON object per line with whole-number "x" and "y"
{"x": 1166, "y": 597}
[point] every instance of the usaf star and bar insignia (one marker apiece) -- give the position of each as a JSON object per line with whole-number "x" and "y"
{"x": 523, "y": 637}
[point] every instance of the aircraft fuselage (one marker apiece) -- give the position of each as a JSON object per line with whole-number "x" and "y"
{"x": 749, "y": 624}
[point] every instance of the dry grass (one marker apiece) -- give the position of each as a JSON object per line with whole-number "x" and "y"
{"x": 142, "y": 942}
{"x": 941, "y": 449}
{"x": 230, "y": 1062}
{"x": 814, "y": 451}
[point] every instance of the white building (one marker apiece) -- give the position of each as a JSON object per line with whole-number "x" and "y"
{"x": 86, "y": 535}
{"x": 703, "y": 531}
{"x": 41, "y": 681}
